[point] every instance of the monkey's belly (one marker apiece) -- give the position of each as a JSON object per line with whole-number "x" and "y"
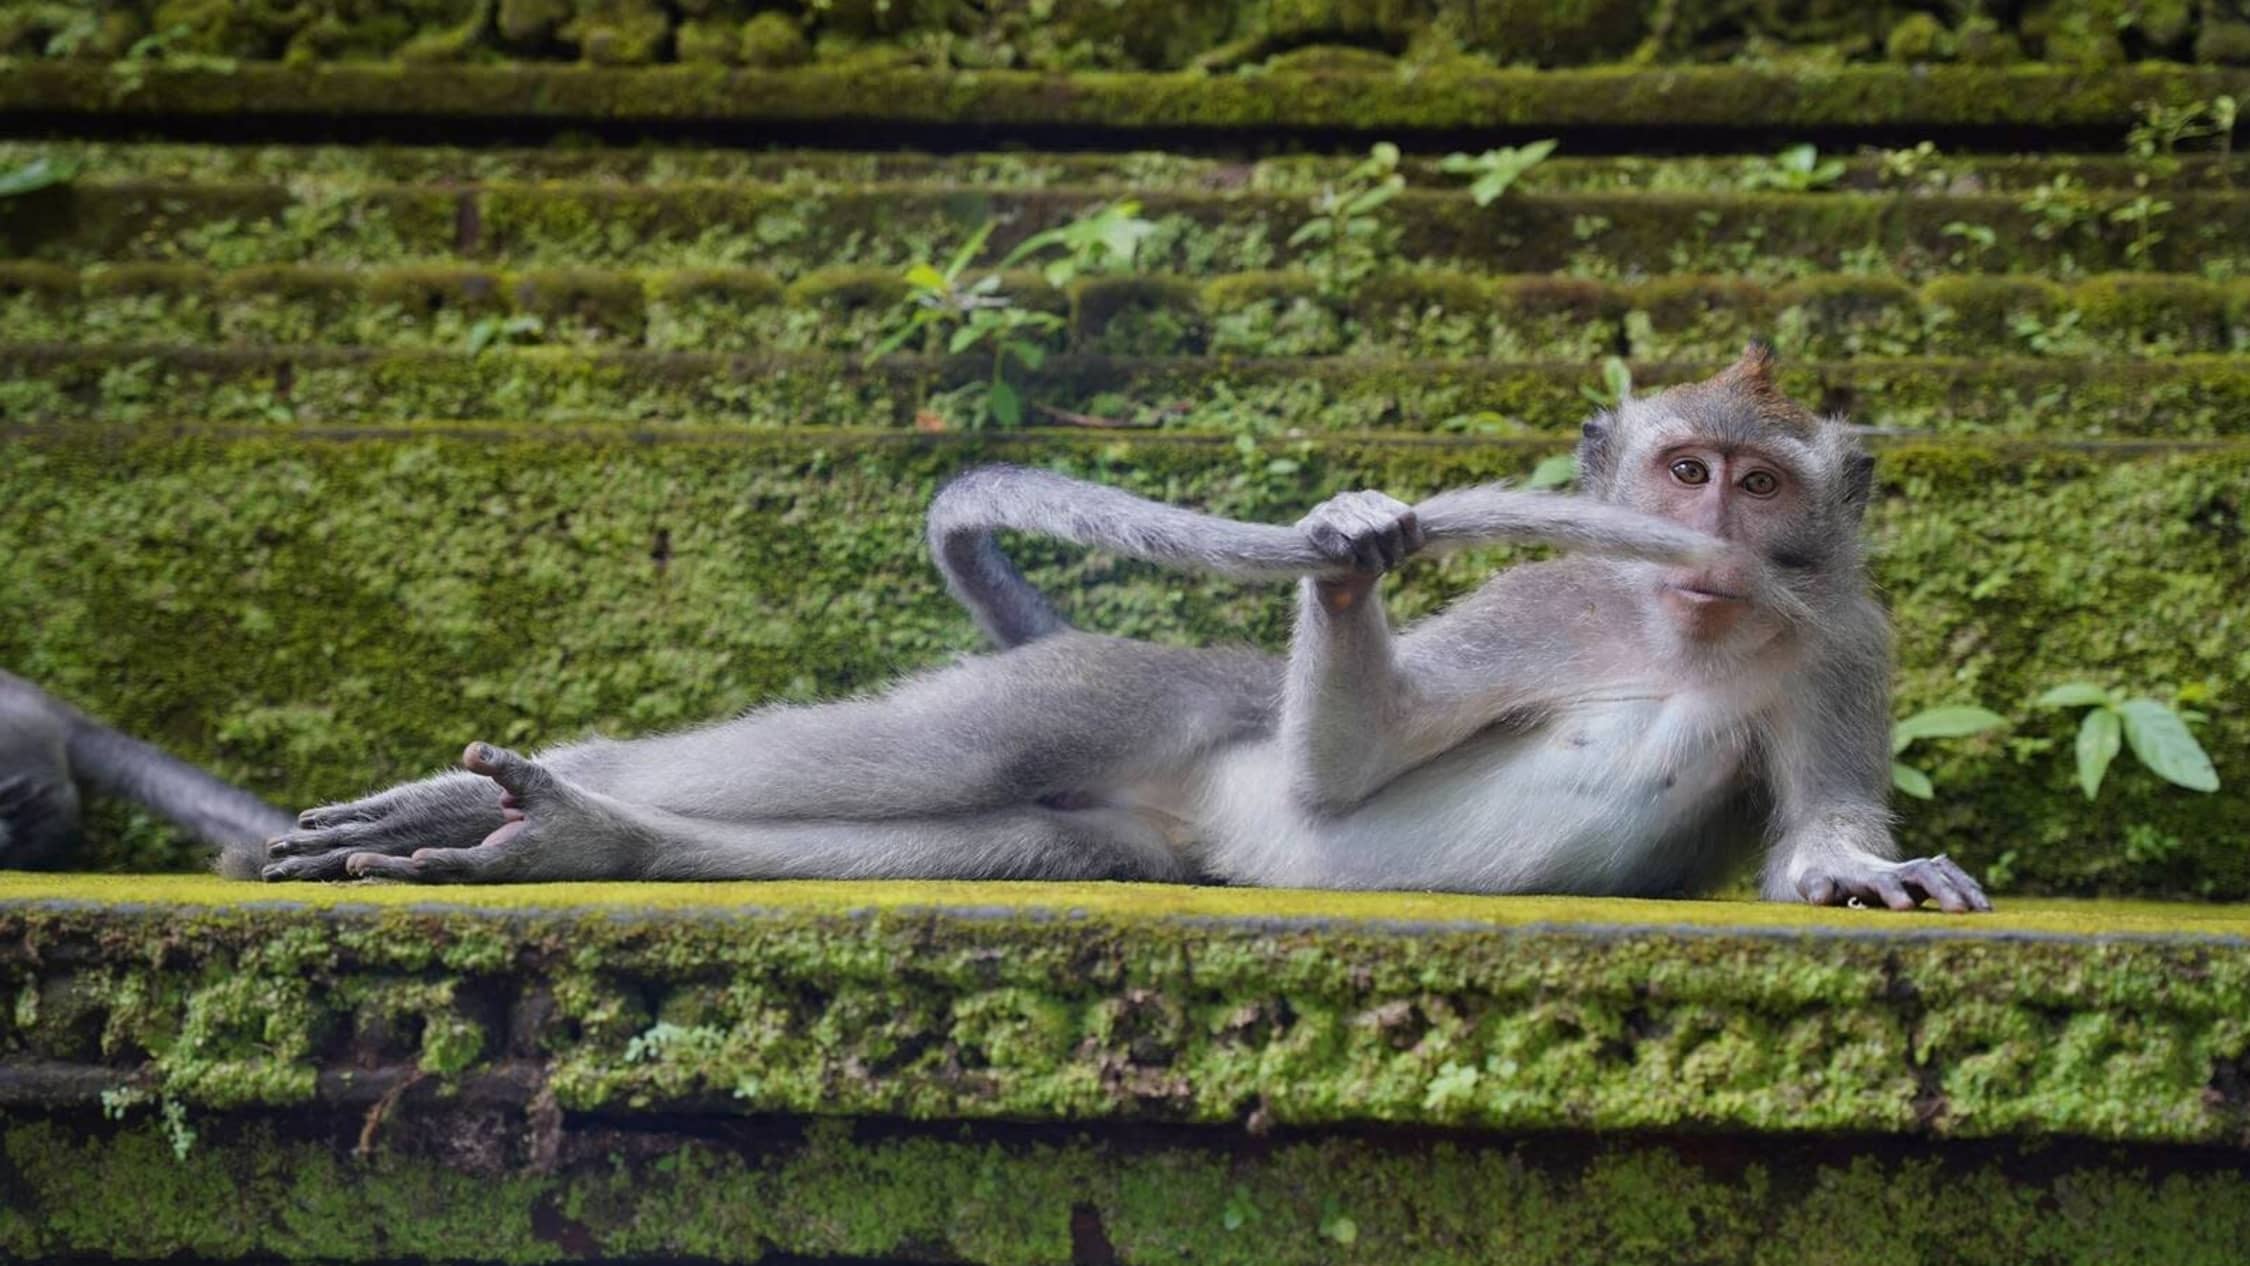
{"x": 1609, "y": 797}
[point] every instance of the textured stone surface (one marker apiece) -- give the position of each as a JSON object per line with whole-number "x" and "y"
{"x": 1120, "y": 1003}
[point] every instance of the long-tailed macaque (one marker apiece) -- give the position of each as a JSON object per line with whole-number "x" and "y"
{"x": 1707, "y": 676}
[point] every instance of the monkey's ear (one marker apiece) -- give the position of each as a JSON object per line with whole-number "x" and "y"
{"x": 1596, "y": 451}
{"x": 1857, "y": 479}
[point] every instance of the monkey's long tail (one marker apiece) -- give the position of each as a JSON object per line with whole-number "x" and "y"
{"x": 117, "y": 764}
{"x": 968, "y": 512}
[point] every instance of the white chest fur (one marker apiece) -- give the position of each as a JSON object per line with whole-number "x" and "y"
{"x": 1586, "y": 801}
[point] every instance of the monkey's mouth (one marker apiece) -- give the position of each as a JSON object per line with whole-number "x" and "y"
{"x": 1700, "y": 595}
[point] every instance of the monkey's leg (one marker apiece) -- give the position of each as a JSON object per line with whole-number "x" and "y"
{"x": 556, "y": 830}
{"x": 1069, "y": 716}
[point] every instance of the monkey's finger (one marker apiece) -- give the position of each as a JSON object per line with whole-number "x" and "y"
{"x": 344, "y": 837}
{"x": 1818, "y": 890}
{"x": 1410, "y": 530}
{"x": 1893, "y": 892}
{"x": 526, "y": 778}
{"x": 382, "y": 866}
{"x": 324, "y": 866}
{"x": 1967, "y": 883}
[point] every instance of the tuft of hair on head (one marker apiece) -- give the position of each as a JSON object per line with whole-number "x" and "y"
{"x": 1747, "y": 386}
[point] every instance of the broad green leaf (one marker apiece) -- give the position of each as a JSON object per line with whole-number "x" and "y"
{"x": 925, "y": 277}
{"x": 2076, "y": 694}
{"x": 39, "y": 173}
{"x": 2163, "y": 743}
{"x": 1031, "y": 354}
{"x": 965, "y": 338}
{"x": 1007, "y": 406}
{"x": 1384, "y": 152}
{"x": 1912, "y": 781}
{"x": 1309, "y": 231}
{"x": 1953, "y": 722}
{"x": 2098, "y": 741}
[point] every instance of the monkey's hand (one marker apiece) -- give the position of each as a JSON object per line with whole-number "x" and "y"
{"x": 548, "y": 829}
{"x": 1366, "y": 533}
{"x": 1899, "y": 885}
{"x": 449, "y": 811}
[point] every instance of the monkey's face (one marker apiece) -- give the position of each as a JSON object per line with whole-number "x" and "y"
{"x": 1733, "y": 457}
{"x": 1743, "y": 493}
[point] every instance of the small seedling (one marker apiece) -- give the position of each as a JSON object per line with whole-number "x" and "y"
{"x": 1494, "y": 170}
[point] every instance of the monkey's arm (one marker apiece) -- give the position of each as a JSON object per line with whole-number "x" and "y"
{"x": 1829, "y": 766}
{"x": 1359, "y": 707}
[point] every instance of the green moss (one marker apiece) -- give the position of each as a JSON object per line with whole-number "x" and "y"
{"x": 977, "y": 1002}
{"x": 2155, "y": 315}
{"x": 1848, "y": 316}
{"x": 1918, "y": 37}
{"x": 1137, "y": 316}
{"x": 822, "y": 1190}
{"x": 771, "y": 41}
{"x": 1870, "y": 96}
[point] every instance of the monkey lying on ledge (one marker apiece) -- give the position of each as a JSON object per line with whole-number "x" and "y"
{"x": 1709, "y": 675}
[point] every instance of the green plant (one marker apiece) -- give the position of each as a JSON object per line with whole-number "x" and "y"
{"x": 1917, "y": 164}
{"x": 1977, "y": 241}
{"x": 2142, "y": 213}
{"x": 1346, "y": 236}
{"x": 2059, "y": 205}
{"x": 2158, "y": 735}
{"x": 1797, "y": 169}
{"x": 1105, "y": 240}
{"x": 503, "y": 331}
{"x": 1491, "y": 172}
{"x": 39, "y": 173}
{"x": 2153, "y": 143}
{"x": 1955, "y": 721}
{"x": 954, "y": 313}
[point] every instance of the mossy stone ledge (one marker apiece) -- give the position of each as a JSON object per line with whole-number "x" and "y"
{"x": 1042, "y": 1073}
{"x": 1378, "y": 102}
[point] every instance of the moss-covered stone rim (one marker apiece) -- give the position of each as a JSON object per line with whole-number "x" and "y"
{"x": 1263, "y": 910}
{"x": 1852, "y": 97}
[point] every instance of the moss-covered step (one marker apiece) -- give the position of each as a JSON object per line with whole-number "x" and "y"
{"x": 1107, "y": 1073}
{"x": 1067, "y": 35}
{"x": 790, "y": 232}
{"x": 1427, "y": 314}
{"x": 512, "y": 388}
{"x": 1909, "y": 170}
{"x": 439, "y": 1181}
{"x": 1082, "y": 1003}
{"x": 319, "y": 613}
{"x": 1372, "y": 101}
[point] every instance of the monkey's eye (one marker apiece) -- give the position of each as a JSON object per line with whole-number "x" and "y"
{"x": 1690, "y": 471}
{"x": 1760, "y": 483}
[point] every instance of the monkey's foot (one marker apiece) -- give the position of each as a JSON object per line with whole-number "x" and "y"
{"x": 1899, "y": 885}
{"x": 449, "y": 811}
{"x": 549, "y": 829}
